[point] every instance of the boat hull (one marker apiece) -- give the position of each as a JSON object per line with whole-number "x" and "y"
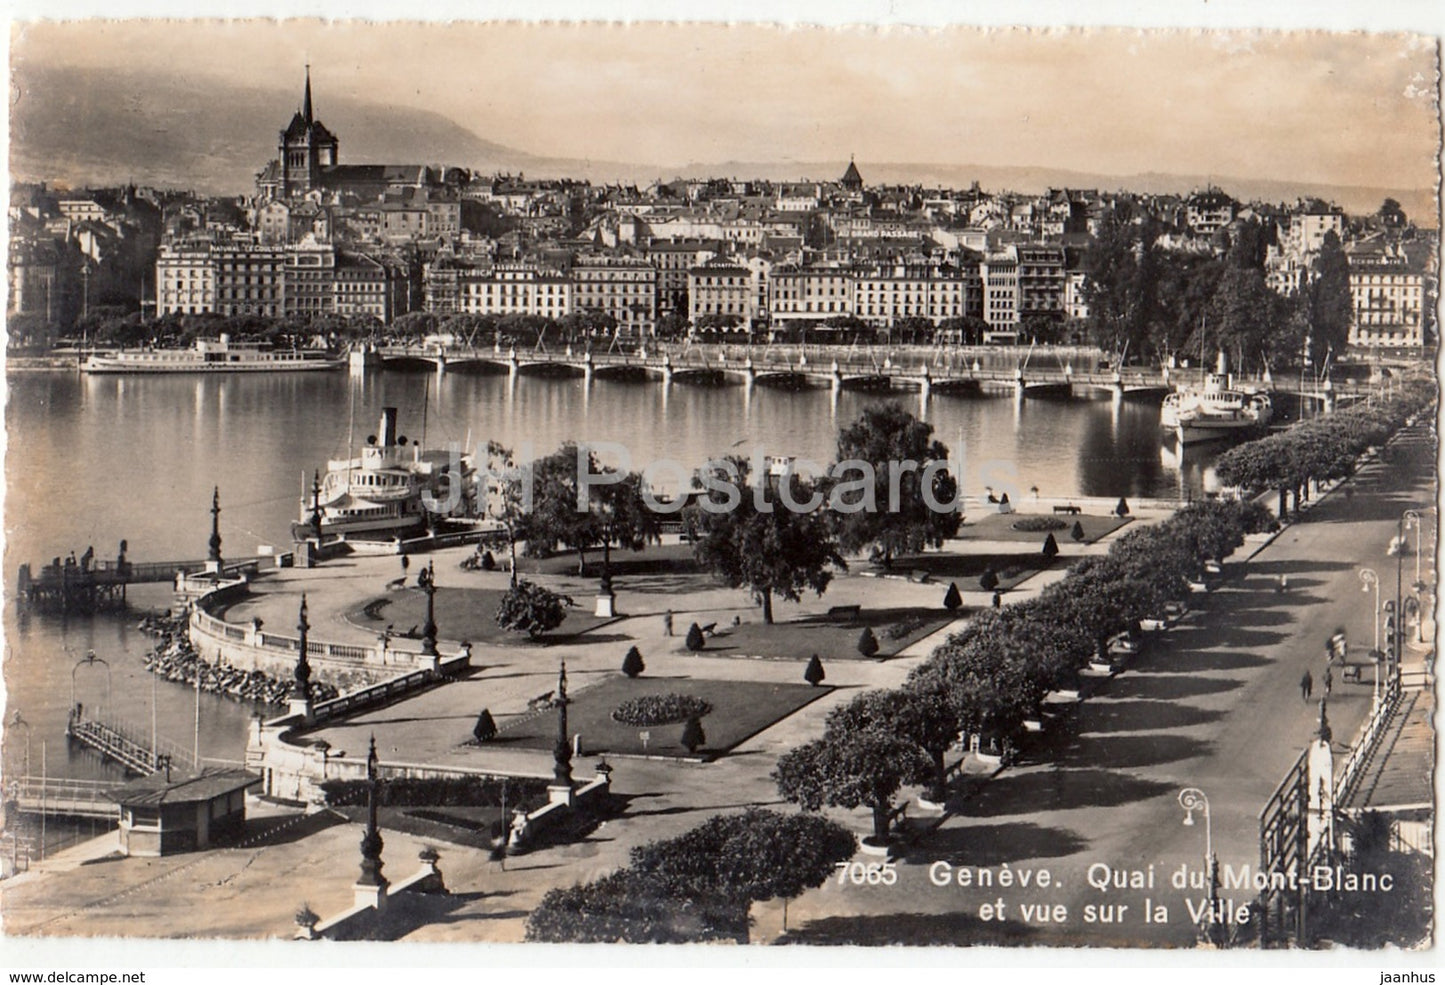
{"x": 1194, "y": 433}
{"x": 101, "y": 366}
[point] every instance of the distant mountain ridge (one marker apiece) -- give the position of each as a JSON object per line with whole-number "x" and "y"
{"x": 107, "y": 127}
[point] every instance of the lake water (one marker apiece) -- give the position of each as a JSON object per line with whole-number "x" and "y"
{"x": 92, "y": 460}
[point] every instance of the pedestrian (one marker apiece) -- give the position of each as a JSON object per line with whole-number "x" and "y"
{"x": 667, "y": 622}
{"x": 1329, "y": 681}
{"x": 997, "y": 600}
{"x": 1306, "y": 686}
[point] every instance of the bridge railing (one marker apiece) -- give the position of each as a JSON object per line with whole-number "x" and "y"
{"x": 131, "y": 743}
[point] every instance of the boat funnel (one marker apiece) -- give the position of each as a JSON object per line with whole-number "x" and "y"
{"x": 1221, "y": 365}
{"x": 387, "y": 433}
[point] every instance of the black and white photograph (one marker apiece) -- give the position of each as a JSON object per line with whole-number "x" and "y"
{"x": 912, "y": 487}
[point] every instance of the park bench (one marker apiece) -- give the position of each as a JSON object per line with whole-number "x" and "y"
{"x": 540, "y": 701}
{"x": 1351, "y": 673}
{"x": 1071, "y": 509}
{"x": 709, "y": 629}
{"x": 919, "y": 576}
{"x": 844, "y": 611}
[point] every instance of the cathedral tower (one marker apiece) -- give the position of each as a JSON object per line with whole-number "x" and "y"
{"x": 306, "y": 148}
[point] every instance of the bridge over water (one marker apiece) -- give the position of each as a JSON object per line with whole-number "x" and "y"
{"x": 797, "y": 367}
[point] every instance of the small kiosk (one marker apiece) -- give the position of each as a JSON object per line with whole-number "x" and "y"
{"x": 163, "y": 816}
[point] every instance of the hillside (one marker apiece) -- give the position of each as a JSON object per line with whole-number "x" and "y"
{"x": 145, "y": 125}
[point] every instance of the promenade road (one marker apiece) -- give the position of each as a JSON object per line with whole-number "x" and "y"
{"x": 1215, "y": 704}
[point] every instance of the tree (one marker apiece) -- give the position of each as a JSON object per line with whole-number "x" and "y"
{"x": 613, "y": 509}
{"x": 761, "y": 542}
{"x": 748, "y": 857}
{"x": 922, "y": 714}
{"x": 529, "y": 608}
{"x": 1330, "y": 306}
{"x": 1051, "y": 547}
{"x": 867, "y": 642}
{"x": 988, "y": 581}
{"x": 813, "y": 673}
{"x": 864, "y": 769}
{"x": 627, "y": 906}
{"x": 632, "y": 664}
{"x": 486, "y": 729}
{"x": 870, "y": 513}
{"x": 692, "y": 734}
{"x": 1078, "y": 532}
{"x": 694, "y": 640}
{"x": 1391, "y": 214}
{"x": 952, "y": 599}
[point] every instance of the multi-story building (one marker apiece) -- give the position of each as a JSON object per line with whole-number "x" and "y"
{"x": 673, "y": 260}
{"x": 623, "y": 287}
{"x": 1209, "y": 211}
{"x": 250, "y": 280}
{"x": 1041, "y": 281}
{"x": 185, "y": 280}
{"x": 721, "y": 288}
{"x": 363, "y": 287}
{"x": 889, "y": 293}
{"x": 310, "y": 281}
{"x": 34, "y": 272}
{"x": 1000, "y": 275}
{"x": 810, "y": 293}
{"x": 1386, "y": 296}
{"x": 514, "y": 289}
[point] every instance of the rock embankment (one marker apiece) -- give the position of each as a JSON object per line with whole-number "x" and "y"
{"x": 175, "y": 659}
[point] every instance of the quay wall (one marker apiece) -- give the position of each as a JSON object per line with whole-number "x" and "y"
{"x": 247, "y": 646}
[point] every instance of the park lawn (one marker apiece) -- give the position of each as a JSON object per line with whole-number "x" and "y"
{"x": 830, "y": 637}
{"x": 1000, "y": 526}
{"x": 740, "y": 710}
{"x": 461, "y": 614}
{"x": 965, "y": 569}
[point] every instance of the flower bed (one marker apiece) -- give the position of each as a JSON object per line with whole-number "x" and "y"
{"x": 660, "y": 709}
{"x": 1039, "y": 524}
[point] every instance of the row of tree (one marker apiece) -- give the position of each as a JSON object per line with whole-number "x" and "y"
{"x": 994, "y": 674}
{"x": 1321, "y": 448}
{"x": 699, "y": 885}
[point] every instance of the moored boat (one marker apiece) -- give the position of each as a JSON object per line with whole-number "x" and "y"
{"x": 394, "y": 489}
{"x": 213, "y": 356}
{"x": 1217, "y": 409}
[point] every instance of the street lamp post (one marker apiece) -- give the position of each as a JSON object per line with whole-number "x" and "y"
{"x": 89, "y": 660}
{"x": 1193, "y": 799}
{"x": 1411, "y": 520}
{"x": 1369, "y": 579}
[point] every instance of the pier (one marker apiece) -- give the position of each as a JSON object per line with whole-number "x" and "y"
{"x": 126, "y": 744}
{"x": 54, "y": 796}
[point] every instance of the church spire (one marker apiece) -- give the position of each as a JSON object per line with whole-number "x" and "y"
{"x": 306, "y": 106}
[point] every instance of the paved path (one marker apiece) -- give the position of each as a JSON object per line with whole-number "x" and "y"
{"x": 1215, "y": 705}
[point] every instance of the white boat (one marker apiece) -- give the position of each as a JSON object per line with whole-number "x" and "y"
{"x": 1216, "y": 410}
{"x": 394, "y": 489}
{"x": 213, "y": 356}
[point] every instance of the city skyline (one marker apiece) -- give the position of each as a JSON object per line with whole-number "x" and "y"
{"x": 1346, "y": 109}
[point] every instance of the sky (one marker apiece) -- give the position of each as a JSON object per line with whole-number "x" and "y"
{"x": 1330, "y": 107}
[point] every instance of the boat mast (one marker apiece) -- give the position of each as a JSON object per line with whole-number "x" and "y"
{"x": 425, "y": 402}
